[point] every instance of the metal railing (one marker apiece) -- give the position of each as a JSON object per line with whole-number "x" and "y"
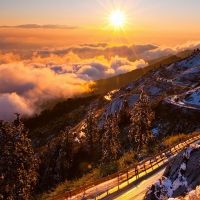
{"x": 126, "y": 176}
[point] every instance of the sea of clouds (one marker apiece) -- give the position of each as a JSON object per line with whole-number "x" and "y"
{"x": 26, "y": 82}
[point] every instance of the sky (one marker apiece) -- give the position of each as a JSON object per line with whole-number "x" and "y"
{"x": 92, "y": 13}
{"x": 171, "y": 18}
{"x": 52, "y": 50}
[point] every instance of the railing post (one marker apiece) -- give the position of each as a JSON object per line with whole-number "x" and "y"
{"x": 136, "y": 172}
{"x": 175, "y": 149}
{"x": 157, "y": 161}
{"x": 151, "y": 164}
{"x": 145, "y": 168}
{"x": 84, "y": 192}
{"x": 118, "y": 181}
{"x": 179, "y": 145}
{"x": 161, "y": 156}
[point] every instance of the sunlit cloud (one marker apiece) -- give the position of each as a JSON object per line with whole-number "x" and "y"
{"x": 46, "y": 26}
{"x": 51, "y": 73}
{"x": 26, "y": 84}
{"x": 11, "y": 103}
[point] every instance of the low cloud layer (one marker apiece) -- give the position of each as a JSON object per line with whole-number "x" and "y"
{"x": 165, "y": 51}
{"x": 131, "y": 51}
{"x": 11, "y": 103}
{"x": 26, "y": 82}
{"x": 46, "y": 26}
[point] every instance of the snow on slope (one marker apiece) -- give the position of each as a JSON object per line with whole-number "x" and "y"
{"x": 191, "y": 61}
{"x": 178, "y": 67}
{"x": 116, "y": 104}
{"x": 156, "y": 83}
{"x": 193, "y": 97}
{"x": 188, "y": 76}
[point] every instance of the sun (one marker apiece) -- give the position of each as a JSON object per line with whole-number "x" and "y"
{"x": 117, "y": 19}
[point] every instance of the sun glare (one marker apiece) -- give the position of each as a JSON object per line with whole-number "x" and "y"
{"x": 117, "y": 19}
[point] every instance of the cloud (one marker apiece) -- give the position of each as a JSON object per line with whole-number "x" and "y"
{"x": 97, "y": 49}
{"x": 46, "y": 26}
{"x": 165, "y": 51}
{"x": 188, "y": 45}
{"x": 24, "y": 88}
{"x": 39, "y": 79}
{"x": 133, "y": 51}
{"x": 11, "y": 103}
{"x": 89, "y": 69}
{"x": 9, "y": 57}
{"x": 51, "y": 73}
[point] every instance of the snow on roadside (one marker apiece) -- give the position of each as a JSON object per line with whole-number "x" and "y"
{"x": 192, "y": 195}
{"x": 165, "y": 187}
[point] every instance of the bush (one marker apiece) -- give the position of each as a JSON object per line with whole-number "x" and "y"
{"x": 109, "y": 168}
{"x": 168, "y": 142}
{"x": 127, "y": 159}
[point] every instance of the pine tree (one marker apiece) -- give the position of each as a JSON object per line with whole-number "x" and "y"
{"x": 111, "y": 147}
{"x": 142, "y": 116}
{"x": 67, "y": 150}
{"x": 91, "y": 131}
{"x": 18, "y": 165}
{"x": 124, "y": 114}
{"x": 57, "y": 159}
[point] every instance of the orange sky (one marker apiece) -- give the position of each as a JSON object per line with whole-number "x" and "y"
{"x": 164, "y": 22}
{"x": 69, "y": 37}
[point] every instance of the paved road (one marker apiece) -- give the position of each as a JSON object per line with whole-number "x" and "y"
{"x": 181, "y": 104}
{"x": 136, "y": 191}
{"x": 129, "y": 189}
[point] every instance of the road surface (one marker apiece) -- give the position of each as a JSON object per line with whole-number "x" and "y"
{"x": 137, "y": 190}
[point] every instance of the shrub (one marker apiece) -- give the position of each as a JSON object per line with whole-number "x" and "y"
{"x": 109, "y": 168}
{"x": 173, "y": 139}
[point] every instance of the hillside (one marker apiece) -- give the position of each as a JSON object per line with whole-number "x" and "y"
{"x": 174, "y": 100}
{"x": 105, "y": 85}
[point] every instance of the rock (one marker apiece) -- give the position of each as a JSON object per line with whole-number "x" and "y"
{"x": 181, "y": 175}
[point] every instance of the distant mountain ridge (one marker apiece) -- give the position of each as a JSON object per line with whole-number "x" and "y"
{"x": 104, "y": 85}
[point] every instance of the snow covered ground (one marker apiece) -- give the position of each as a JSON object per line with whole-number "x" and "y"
{"x": 193, "y": 97}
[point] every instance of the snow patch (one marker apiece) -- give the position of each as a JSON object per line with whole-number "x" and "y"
{"x": 164, "y": 187}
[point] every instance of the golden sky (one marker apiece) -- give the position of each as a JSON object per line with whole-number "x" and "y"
{"x": 73, "y": 22}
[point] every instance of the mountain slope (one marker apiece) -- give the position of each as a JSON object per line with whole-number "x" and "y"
{"x": 158, "y": 84}
{"x": 170, "y": 99}
{"x": 104, "y": 85}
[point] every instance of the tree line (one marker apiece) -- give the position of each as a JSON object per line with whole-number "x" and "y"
{"x": 67, "y": 155}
